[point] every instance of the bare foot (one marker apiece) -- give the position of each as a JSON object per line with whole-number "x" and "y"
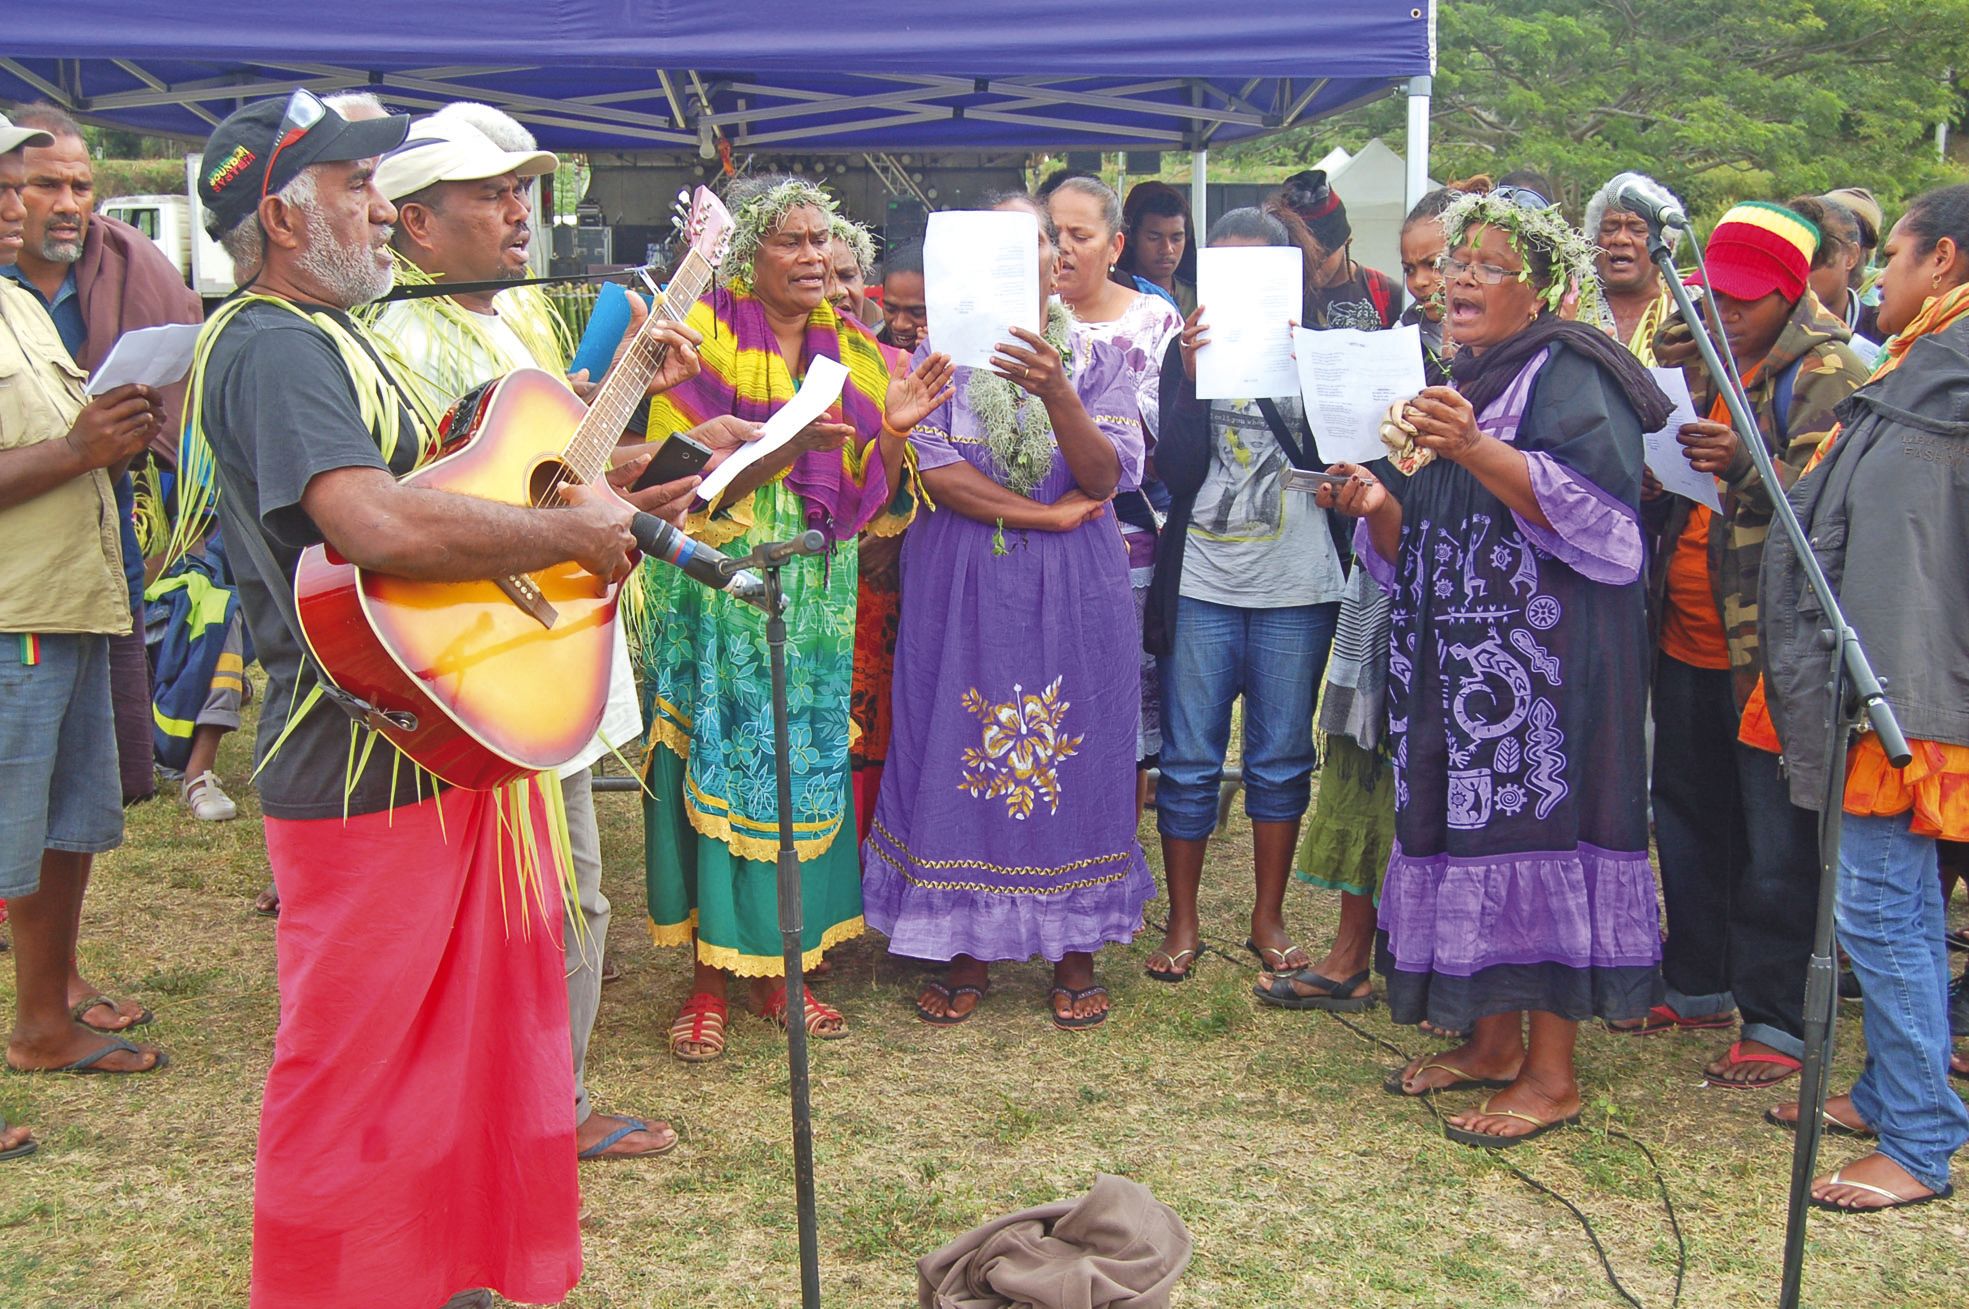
{"x": 78, "y": 1044}
{"x": 267, "y": 902}
{"x": 1520, "y": 1109}
{"x": 652, "y": 1137}
{"x": 1433, "y": 1072}
{"x": 1839, "y": 1109}
{"x": 1873, "y": 1171}
{"x": 1754, "y": 1066}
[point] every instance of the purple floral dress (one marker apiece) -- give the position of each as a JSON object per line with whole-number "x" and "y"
{"x": 1005, "y": 826}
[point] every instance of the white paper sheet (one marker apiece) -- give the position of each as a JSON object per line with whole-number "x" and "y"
{"x": 980, "y": 280}
{"x": 820, "y": 388}
{"x": 1349, "y": 379}
{"x": 152, "y": 356}
{"x": 1665, "y": 457}
{"x": 1251, "y": 296}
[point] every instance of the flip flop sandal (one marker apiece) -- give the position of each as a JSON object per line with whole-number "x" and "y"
{"x": 1957, "y": 1069}
{"x": 1282, "y": 964}
{"x": 701, "y": 1022}
{"x": 1956, "y": 940}
{"x": 611, "y": 971}
{"x": 1170, "y": 974}
{"x": 1783, "y": 1062}
{"x": 86, "y": 1065}
{"x": 949, "y": 994}
{"x": 21, "y": 1151}
{"x": 1833, "y": 1127}
{"x": 1663, "y": 1019}
{"x": 817, "y": 1014}
{"x": 1069, "y": 1023}
{"x": 630, "y": 1126}
{"x": 1335, "y": 997}
{"x": 1894, "y": 1201}
{"x": 1488, "y": 1141}
{"x": 144, "y": 1016}
{"x": 267, "y": 903}
{"x": 1464, "y": 1082}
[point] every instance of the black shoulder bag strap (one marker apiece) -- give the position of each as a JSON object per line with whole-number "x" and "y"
{"x": 1338, "y": 527}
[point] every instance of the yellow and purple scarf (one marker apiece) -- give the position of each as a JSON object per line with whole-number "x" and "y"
{"x": 745, "y": 375}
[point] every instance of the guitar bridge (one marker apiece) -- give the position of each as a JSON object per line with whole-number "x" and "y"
{"x": 526, "y": 593}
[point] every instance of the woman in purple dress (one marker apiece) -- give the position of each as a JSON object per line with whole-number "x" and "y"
{"x": 1517, "y": 679}
{"x": 1003, "y": 828}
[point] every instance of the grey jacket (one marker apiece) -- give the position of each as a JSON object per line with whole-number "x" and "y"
{"x": 1887, "y": 513}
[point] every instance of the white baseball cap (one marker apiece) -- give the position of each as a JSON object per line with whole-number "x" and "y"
{"x": 13, "y": 138}
{"x": 448, "y": 149}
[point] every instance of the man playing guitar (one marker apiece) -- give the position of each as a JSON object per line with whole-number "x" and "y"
{"x": 415, "y": 1138}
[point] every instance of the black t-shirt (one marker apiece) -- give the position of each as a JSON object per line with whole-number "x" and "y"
{"x": 280, "y": 409}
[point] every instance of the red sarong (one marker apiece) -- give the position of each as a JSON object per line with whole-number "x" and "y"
{"x": 417, "y": 1137}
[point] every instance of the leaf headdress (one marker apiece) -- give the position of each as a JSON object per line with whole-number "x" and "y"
{"x": 1544, "y": 231}
{"x": 758, "y": 208}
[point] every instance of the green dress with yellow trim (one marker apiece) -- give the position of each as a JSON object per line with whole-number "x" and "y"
{"x": 711, "y": 812}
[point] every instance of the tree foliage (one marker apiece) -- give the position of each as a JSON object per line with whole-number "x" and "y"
{"x": 1720, "y": 99}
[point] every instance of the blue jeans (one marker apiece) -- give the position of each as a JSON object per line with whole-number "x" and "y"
{"x": 1890, "y": 923}
{"x": 1275, "y": 657}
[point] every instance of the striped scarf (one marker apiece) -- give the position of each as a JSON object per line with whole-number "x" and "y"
{"x": 745, "y": 375}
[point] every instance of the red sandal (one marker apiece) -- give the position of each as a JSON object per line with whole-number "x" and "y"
{"x": 700, "y": 1023}
{"x": 1784, "y": 1063}
{"x": 819, "y": 1016}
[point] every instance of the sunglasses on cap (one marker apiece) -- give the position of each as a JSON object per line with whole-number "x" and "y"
{"x": 1521, "y": 197}
{"x": 1306, "y": 190}
{"x": 304, "y": 110}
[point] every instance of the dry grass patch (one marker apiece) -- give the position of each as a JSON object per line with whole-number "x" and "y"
{"x": 1267, "y": 1131}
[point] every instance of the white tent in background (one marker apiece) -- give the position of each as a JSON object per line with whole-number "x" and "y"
{"x": 1372, "y": 184}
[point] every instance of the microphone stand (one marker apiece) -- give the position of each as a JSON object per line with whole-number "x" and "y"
{"x": 769, "y": 558}
{"x": 1856, "y": 695}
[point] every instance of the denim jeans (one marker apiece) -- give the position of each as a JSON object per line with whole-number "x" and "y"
{"x": 1739, "y": 864}
{"x": 1890, "y": 923}
{"x": 1276, "y": 658}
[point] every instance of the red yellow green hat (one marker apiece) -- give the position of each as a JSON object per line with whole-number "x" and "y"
{"x": 1759, "y": 248}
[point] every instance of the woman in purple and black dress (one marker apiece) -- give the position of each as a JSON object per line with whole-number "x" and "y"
{"x": 1004, "y": 828}
{"x": 1517, "y": 682}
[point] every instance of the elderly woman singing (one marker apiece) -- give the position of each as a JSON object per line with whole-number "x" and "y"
{"x": 1517, "y": 681}
{"x": 711, "y": 820}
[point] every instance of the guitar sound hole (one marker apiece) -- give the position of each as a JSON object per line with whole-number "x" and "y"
{"x": 542, "y": 487}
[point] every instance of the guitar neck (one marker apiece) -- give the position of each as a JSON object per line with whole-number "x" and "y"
{"x": 627, "y": 384}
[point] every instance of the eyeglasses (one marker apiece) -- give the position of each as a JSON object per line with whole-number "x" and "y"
{"x": 304, "y": 110}
{"x": 1489, "y": 274}
{"x": 1523, "y": 197}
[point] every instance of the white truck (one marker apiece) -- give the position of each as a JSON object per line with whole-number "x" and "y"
{"x": 176, "y": 223}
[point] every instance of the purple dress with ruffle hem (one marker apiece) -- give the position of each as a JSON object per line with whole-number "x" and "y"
{"x": 1517, "y": 686}
{"x": 1005, "y": 824}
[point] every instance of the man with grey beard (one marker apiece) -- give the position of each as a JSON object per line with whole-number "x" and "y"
{"x": 415, "y": 1135}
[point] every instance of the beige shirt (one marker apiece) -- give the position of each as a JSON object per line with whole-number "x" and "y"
{"x": 61, "y": 557}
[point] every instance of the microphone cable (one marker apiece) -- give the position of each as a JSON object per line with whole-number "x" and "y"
{"x": 1498, "y": 1156}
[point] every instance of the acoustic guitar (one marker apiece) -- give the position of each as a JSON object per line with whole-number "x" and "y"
{"x": 484, "y": 682}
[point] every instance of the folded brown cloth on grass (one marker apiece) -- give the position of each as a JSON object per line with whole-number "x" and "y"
{"x": 1118, "y": 1247}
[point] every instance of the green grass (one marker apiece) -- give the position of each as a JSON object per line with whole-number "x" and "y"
{"x": 1301, "y": 1181}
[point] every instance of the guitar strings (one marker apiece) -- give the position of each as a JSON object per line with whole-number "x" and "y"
{"x": 657, "y": 352}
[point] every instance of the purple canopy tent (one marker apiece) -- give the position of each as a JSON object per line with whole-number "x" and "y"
{"x": 666, "y": 74}
{"x": 856, "y": 78}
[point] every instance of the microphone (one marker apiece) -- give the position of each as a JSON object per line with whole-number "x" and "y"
{"x": 714, "y": 569}
{"x": 1635, "y": 194}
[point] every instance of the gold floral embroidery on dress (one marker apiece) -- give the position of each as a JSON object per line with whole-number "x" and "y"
{"x": 1021, "y": 751}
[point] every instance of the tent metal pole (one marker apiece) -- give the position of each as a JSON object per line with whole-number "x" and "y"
{"x": 1199, "y": 189}
{"x": 1419, "y": 89}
